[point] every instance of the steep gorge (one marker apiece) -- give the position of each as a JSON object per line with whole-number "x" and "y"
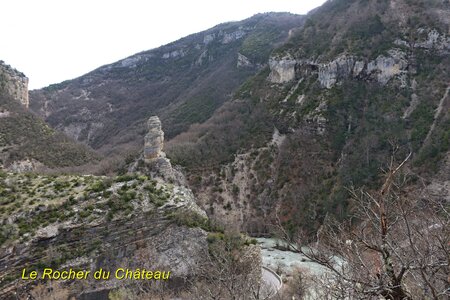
{"x": 358, "y": 80}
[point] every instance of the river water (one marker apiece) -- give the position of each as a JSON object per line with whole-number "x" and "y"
{"x": 287, "y": 262}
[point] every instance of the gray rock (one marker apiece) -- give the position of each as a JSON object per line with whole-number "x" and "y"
{"x": 209, "y": 38}
{"x": 23, "y": 166}
{"x": 243, "y": 61}
{"x": 231, "y": 37}
{"x": 154, "y": 140}
{"x": 282, "y": 69}
{"x": 15, "y": 84}
{"x": 385, "y": 68}
{"x": 202, "y": 58}
{"x": 340, "y": 68}
{"x": 174, "y": 54}
{"x": 435, "y": 41}
{"x": 358, "y": 68}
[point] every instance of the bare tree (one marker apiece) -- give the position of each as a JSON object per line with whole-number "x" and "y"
{"x": 232, "y": 271}
{"x": 395, "y": 246}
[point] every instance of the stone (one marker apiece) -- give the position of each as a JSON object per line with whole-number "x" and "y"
{"x": 155, "y": 159}
{"x": 358, "y": 68}
{"x": 282, "y": 69}
{"x": 435, "y": 41}
{"x": 4, "y": 113}
{"x": 243, "y": 61}
{"x": 47, "y": 232}
{"x": 14, "y": 83}
{"x": 174, "y": 54}
{"x": 154, "y": 140}
{"x": 183, "y": 198}
{"x": 209, "y": 38}
{"x": 24, "y": 166}
{"x": 384, "y": 68}
{"x": 233, "y": 36}
{"x": 340, "y": 68}
{"x": 202, "y": 58}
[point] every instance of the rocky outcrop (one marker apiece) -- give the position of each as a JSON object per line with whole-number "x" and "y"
{"x": 433, "y": 40}
{"x": 282, "y": 69}
{"x": 243, "y": 61}
{"x": 14, "y": 83}
{"x": 183, "y": 198}
{"x": 155, "y": 161}
{"x": 201, "y": 59}
{"x": 233, "y": 36}
{"x": 382, "y": 69}
{"x": 174, "y": 54}
{"x": 23, "y": 166}
{"x": 208, "y": 38}
{"x": 338, "y": 69}
{"x": 95, "y": 234}
{"x": 154, "y": 140}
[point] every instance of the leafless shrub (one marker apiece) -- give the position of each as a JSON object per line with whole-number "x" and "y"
{"x": 394, "y": 247}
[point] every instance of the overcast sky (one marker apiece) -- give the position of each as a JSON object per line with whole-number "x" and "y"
{"x": 55, "y": 40}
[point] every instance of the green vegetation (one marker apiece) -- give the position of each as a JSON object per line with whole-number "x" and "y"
{"x": 362, "y": 121}
{"x": 36, "y": 201}
{"x": 192, "y": 219}
{"x": 237, "y": 125}
{"x": 100, "y": 186}
{"x": 258, "y": 46}
{"x": 25, "y": 136}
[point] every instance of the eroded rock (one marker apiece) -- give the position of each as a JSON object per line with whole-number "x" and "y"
{"x": 243, "y": 61}
{"x": 282, "y": 69}
{"x": 340, "y": 68}
{"x": 384, "y": 68}
{"x": 14, "y": 83}
{"x": 233, "y": 36}
{"x": 154, "y": 140}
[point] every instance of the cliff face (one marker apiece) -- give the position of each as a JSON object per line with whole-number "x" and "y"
{"x": 14, "y": 83}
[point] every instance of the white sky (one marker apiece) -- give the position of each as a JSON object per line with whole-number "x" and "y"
{"x": 55, "y": 40}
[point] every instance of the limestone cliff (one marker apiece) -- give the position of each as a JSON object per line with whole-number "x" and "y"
{"x": 282, "y": 69}
{"x": 382, "y": 69}
{"x": 14, "y": 83}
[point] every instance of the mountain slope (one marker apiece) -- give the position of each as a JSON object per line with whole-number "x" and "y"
{"x": 183, "y": 83}
{"x": 359, "y": 79}
{"x": 26, "y": 141}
